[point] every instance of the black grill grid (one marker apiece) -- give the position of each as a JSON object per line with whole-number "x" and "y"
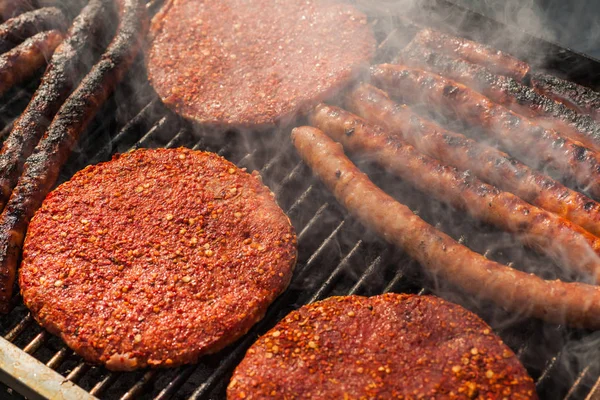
{"x": 336, "y": 255}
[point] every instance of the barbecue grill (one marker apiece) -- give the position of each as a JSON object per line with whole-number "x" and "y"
{"x": 336, "y": 255}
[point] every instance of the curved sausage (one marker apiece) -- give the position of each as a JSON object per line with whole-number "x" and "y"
{"x": 520, "y": 136}
{"x": 43, "y": 166}
{"x": 576, "y": 304}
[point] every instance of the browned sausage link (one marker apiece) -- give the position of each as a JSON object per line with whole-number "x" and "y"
{"x": 520, "y": 136}
{"x": 17, "y": 29}
{"x": 489, "y": 164}
{"x": 63, "y": 73}
{"x": 43, "y": 166}
{"x": 509, "y": 93}
{"x": 497, "y": 61}
{"x": 554, "y": 301}
{"x": 12, "y": 8}
{"x": 577, "y": 97}
{"x": 21, "y": 62}
{"x": 573, "y": 247}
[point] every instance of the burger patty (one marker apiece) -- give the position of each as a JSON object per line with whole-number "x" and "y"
{"x": 156, "y": 258}
{"x": 253, "y": 62}
{"x": 388, "y": 346}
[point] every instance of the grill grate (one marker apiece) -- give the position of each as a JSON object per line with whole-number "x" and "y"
{"x": 336, "y": 255}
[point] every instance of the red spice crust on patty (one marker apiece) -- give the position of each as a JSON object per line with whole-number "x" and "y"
{"x": 254, "y": 62}
{"x": 156, "y": 258}
{"x": 388, "y": 346}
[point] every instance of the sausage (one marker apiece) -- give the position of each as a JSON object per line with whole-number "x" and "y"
{"x": 17, "y": 29}
{"x": 569, "y": 244}
{"x": 506, "y": 91}
{"x": 487, "y": 163}
{"x": 62, "y": 74}
{"x": 24, "y": 60}
{"x": 478, "y": 53}
{"x": 43, "y": 166}
{"x": 576, "y": 304}
{"x": 523, "y": 138}
{"x": 577, "y": 97}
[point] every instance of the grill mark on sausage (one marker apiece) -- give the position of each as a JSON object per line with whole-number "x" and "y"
{"x": 17, "y": 29}
{"x": 546, "y": 232}
{"x": 43, "y": 166}
{"x": 577, "y": 97}
{"x": 64, "y": 71}
{"x": 24, "y": 60}
{"x": 478, "y": 53}
{"x": 487, "y": 163}
{"x": 576, "y": 304}
{"x": 507, "y": 92}
{"x": 521, "y": 136}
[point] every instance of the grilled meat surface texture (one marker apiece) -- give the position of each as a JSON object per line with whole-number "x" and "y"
{"x": 574, "y": 248}
{"x": 580, "y": 98}
{"x": 487, "y": 163}
{"x": 63, "y": 73}
{"x": 42, "y": 168}
{"x": 232, "y": 63}
{"x": 200, "y": 245}
{"x": 393, "y": 346}
{"x": 576, "y": 304}
{"x": 24, "y": 60}
{"x": 507, "y": 92}
{"x": 522, "y": 137}
{"x": 478, "y": 53}
{"x": 17, "y": 29}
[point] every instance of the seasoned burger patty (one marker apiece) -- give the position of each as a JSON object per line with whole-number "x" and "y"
{"x": 155, "y": 258}
{"x": 388, "y": 346}
{"x": 253, "y": 62}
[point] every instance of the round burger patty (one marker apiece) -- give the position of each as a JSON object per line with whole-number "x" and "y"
{"x": 388, "y": 346}
{"x": 156, "y": 257}
{"x": 253, "y": 62}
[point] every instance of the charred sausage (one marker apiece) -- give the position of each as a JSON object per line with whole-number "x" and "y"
{"x": 576, "y": 304}
{"x": 43, "y": 166}
{"x": 21, "y": 62}
{"x": 509, "y": 93}
{"x": 17, "y": 29}
{"x": 577, "y": 97}
{"x": 523, "y": 138}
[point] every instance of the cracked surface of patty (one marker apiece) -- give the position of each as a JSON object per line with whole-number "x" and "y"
{"x": 388, "y": 346}
{"x": 156, "y": 258}
{"x": 254, "y": 62}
